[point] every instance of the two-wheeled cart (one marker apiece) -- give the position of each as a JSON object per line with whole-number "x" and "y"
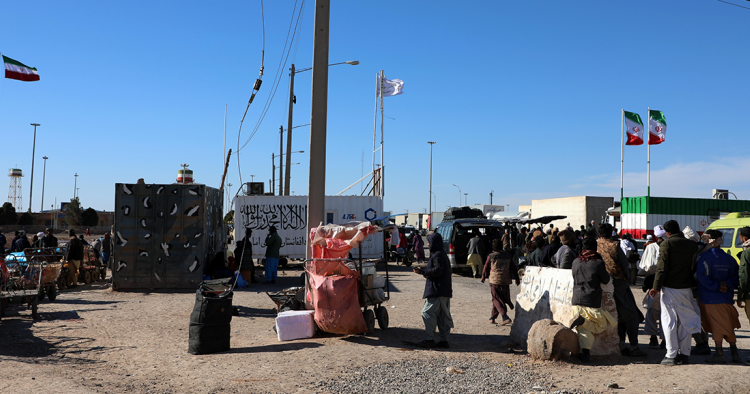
{"x": 20, "y": 282}
{"x": 374, "y": 290}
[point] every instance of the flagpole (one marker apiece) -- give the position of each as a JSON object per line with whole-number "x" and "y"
{"x": 382, "y": 164}
{"x": 648, "y": 160}
{"x": 622, "y": 150}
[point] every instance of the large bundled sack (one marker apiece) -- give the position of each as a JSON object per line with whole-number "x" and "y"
{"x": 334, "y": 241}
{"x": 333, "y": 291}
{"x": 210, "y": 322}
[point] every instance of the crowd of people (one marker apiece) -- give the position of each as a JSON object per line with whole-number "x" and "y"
{"x": 689, "y": 285}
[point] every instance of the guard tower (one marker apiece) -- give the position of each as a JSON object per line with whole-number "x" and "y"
{"x": 15, "y": 195}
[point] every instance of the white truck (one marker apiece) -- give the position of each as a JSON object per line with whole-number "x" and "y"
{"x": 289, "y": 215}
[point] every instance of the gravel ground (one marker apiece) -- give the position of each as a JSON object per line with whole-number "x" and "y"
{"x": 441, "y": 375}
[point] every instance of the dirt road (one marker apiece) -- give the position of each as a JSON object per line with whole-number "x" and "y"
{"x": 94, "y": 340}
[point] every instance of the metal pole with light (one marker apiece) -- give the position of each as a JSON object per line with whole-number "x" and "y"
{"x": 44, "y": 176}
{"x": 318, "y": 119}
{"x": 459, "y": 194}
{"x": 75, "y": 186}
{"x": 33, "y": 151}
{"x": 292, "y": 101}
{"x": 429, "y": 213}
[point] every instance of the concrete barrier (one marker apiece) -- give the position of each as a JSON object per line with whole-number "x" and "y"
{"x": 546, "y": 293}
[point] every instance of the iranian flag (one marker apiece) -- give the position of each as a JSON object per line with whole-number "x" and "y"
{"x": 19, "y": 71}
{"x": 657, "y": 127}
{"x": 634, "y": 127}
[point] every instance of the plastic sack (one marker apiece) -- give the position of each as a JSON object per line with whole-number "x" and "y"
{"x": 335, "y": 297}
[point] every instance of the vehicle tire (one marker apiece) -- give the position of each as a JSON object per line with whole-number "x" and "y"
{"x": 370, "y": 320}
{"x": 41, "y": 294}
{"x": 87, "y": 277}
{"x": 34, "y": 308}
{"x": 382, "y": 315}
{"x": 52, "y": 293}
{"x": 283, "y": 262}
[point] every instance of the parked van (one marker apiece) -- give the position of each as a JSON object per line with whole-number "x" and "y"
{"x": 457, "y": 233}
{"x": 730, "y": 228}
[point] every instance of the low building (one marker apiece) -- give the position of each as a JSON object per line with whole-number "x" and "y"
{"x": 579, "y": 210}
{"x": 488, "y": 210}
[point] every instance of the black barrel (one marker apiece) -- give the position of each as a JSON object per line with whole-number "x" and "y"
{"x": 210, "y": 322}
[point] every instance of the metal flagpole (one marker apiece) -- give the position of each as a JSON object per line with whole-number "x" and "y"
{"x": 622, "y": 150}
{"x": 648, "y": 160}
{"x": 375, "y": 134}
{"x": 382, "y": 164}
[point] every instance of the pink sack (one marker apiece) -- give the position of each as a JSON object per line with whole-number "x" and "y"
{"x": 335, "y": 297}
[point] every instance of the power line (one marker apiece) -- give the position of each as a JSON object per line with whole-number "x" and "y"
{"x": 736, "y": 5}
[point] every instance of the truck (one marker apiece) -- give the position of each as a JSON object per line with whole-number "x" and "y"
{"x": 289, "y": 215}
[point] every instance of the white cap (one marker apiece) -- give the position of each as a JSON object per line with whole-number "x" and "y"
{"x": 650, "y": 237}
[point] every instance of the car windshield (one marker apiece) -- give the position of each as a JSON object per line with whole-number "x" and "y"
{"x": 727, "y": 235}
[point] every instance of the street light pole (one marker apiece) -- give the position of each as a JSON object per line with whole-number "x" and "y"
{"x": 281, "y": 162}
{"x": 44, "y": 176}
{"x": 273, "y": 173}
{"x": 459, "y": 194}
{"x": 430, "y": 196}
{"x": 33, "y": 151}
{"x": 75, "y": 186}
{"x": 318, "y": 119}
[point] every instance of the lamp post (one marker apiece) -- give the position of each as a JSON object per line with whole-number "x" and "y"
{"x": 75, "y": 186}
{"x": 292, "y": 101}
{"x": 44, "y": 176}
{"x": 430, "y": 196}
{"x": 33, "y": 151}
{"x": 459, "y": 194}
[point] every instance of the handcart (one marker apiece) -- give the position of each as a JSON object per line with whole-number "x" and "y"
{"x": 90, "y": 270}
{"x": 50, "y": 272}
{"x": 281, "y": 297}
{"x": 372, "y": 294}
{"x": 20, "y": 282}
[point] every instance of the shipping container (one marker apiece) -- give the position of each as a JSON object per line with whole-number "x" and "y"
{"x": 289, "y": 215}
{"x": 639, "y": 215}
{"x": 165, "y": 235}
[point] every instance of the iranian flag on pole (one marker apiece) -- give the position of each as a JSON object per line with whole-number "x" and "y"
{"x": 634, "y": 126}
{"x": 19, "y": 71}
{"x": 657, "y": 128}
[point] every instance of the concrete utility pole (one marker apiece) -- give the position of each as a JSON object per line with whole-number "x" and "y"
{"x": 44, "y": 176}
{"x": 33, "y": 151}
{"x": 318, "y": 119}
{"x": 287, "y": 175}
{"x": 430, "y": 196}
{"x": 491, "y": 192}
{"x": 281, "y": 160}
{"x": 75, "y": 186}
{"x": 272, "y": 181}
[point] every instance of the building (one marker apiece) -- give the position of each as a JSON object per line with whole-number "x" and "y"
{"x": 488, "y": 210}
{"x": 579, "y": 210}
{"x": 639, "y": 215}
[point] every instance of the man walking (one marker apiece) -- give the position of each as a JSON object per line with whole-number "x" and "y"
{"x": 501, "y": 270}
{"x": 107, "y": 246}
{"x": 75, "y": 256}
{"x": 243, "y": 254}
{"x": 273, "y": 244}
{"x": 475, "y": 252}
{"x": 680, "y": 316}
{"x": 438, "y": 290}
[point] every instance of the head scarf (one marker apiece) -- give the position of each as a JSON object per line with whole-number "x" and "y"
{"x": 659, "y": 232}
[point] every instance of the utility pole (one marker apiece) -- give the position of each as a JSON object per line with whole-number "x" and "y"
{"x": 272, "y": 181}
{"x": 318, "y": 119}
{"x": 281, "y": 160}
{"x": 75, "y": 186}
{"x": 287, "y": 174}
{"x": 491, "y": 192}
{"x": 430, "y": 196}
{"x": 44, "y": 176}
{"x": 33, "y": 151}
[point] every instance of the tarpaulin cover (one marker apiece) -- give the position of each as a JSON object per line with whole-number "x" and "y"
{"x": 335, "y": 241}
{"x": 335, "y": 297}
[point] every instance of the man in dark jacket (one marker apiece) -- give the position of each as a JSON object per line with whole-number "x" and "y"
{"x": 243, "y": 255}
{"x": 438, "y": 290}
{"x": 75, "y": 257}
{"x": 49, "y": 240}
{"x": 22, "y": 242}
{"x": 589, "y": 274}
{"x": 550, "y": 251}
{"x": 273, "y": 245}
{"x": 680, "y": 316}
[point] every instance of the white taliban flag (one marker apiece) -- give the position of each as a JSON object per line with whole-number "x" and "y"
{"x": 390, "y": 87}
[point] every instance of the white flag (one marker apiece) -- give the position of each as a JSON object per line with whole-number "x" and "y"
{"x": 391, "y": 87}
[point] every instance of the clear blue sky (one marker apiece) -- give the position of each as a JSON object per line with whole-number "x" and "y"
{"x": 523, "y": 98}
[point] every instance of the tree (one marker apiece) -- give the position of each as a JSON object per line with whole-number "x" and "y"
{"x": 229, "y": 217}
{"x": 25, "y": 219}
{"x": 89, "y": 217}
{"x": 73, "y": 213}
{"x": 8, "y": 214}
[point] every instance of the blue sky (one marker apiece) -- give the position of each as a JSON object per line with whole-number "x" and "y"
{"x": 523, "y": 98}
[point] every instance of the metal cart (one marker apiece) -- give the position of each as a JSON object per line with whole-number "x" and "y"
{"x": 20, "y": 282}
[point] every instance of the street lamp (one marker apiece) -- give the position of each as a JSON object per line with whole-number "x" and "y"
{"x": 33, "y": 150}
{"x": 75, "y": 186}
{"x": 430, "y": 196}
{"x": 273, "y": 169}
{"x": 459, "y": 194}
{"x": 44, "y": 176}
{"x": 292, "y": 101}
